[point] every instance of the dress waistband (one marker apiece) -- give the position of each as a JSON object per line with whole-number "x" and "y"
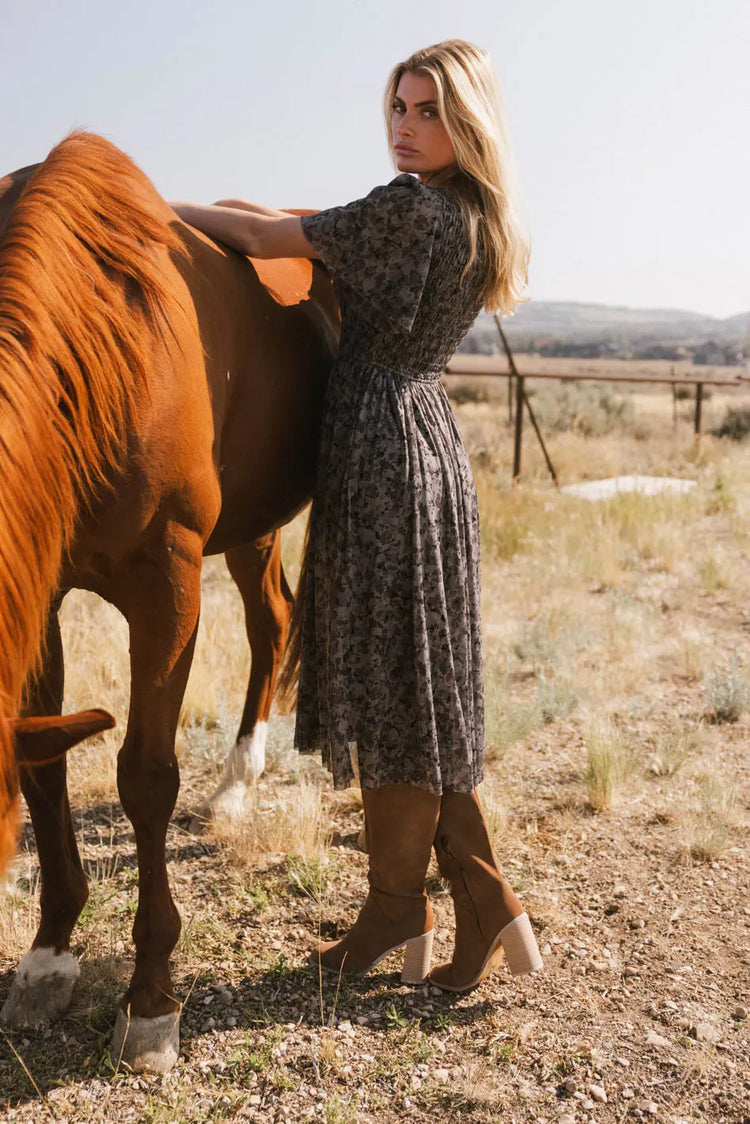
{"x": 411, "y": 374}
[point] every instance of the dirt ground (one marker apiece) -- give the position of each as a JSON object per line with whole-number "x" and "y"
{"x": 616, "y": 637}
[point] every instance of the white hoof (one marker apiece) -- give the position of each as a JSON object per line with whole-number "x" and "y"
{"x": 146, "y": 1044}
{"x": 228, "y": 802}
{"x": 225, "y": 804}
{"x": 42, "y": 988}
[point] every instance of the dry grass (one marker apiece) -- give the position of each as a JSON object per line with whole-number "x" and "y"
{"x": 708, "y": 820}
{"x": 97, "y": 673}
{"x": 676, "y": 745}
{"x": 496, "y": 816}
{"x": 18, "y": 910}
{"x": 296, "y": 823}
{"x": 689, "y": 654}
{"x": 506, "y": 721}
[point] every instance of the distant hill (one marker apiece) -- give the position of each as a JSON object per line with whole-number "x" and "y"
{"x": 577, "y": 329}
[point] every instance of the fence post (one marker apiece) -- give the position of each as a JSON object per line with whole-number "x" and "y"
{"x": 698, "y": 408}
{"x": 519, "y": 428}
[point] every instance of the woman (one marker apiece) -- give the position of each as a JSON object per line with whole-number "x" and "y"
{"x": 387, "y": 627}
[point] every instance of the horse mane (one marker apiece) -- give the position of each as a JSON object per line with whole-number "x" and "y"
{"x": 82, "y": 291}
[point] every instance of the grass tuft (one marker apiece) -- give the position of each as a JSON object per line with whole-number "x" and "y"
{"x": 309, "y": 877}
{"x": 674, "y": 747}
{"x": 709, "y": 821}
{"x": 508, "y": 720}
{"x": 609, "y": 760}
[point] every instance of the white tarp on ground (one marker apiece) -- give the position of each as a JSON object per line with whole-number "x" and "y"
{"x": 646, "y": 485}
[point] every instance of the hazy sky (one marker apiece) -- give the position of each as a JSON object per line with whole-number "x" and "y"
{"x": 629, "y": 120}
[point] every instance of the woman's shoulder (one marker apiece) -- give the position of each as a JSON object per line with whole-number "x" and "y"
{"x": 406, "y": 202}
{"x": 410, "y": 191}
{"x": 396, "y": 208}
{"x": 438, "y": 204}
{"x": 408, "y": 181}
{"x": 419, "y": 190}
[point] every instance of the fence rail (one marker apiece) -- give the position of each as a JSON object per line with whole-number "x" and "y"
{"x": 496, "y": 365}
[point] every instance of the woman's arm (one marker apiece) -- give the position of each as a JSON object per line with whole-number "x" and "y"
{"x": 254, "y": 208}
{"x": 259, "y": 232}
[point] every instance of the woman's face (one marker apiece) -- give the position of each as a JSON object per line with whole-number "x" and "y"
{"x": 420, "y": 141}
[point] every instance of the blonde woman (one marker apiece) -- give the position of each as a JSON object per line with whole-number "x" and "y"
{"x": 386, "y": 632}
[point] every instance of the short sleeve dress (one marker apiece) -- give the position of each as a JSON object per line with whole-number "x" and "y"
{"x": 390, "y": 685}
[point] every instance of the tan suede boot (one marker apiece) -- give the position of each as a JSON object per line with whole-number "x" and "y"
{"x": 401, "y": 821}
{"x": 490, "y": 919}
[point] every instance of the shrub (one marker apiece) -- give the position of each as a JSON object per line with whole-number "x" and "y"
{"x": 467, "y": 389}
{"x": 727, "y": 692}
{"x": 685, "y": 393}
{"x": 592, "y": 411}
{"x": 736, "y": 423}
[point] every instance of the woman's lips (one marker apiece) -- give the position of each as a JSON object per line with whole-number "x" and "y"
{"x": 404, "y": 150}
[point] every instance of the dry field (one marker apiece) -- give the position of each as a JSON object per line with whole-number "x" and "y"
{"x": 617, "y": 680}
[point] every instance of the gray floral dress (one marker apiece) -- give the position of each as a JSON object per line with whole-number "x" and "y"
{"x": 391, "y": 659}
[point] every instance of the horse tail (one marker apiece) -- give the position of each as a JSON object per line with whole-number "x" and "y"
{"x": 83, "y": 289}
{"x": 285, "y": 694}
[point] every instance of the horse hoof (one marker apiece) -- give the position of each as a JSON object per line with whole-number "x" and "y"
{"x": 228, "y": 802}
{"x": 146, "y": 1044}
{"x": 42, "y": 989}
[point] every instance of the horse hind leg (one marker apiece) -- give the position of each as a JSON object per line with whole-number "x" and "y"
{"x": 45, "y": 980}
{"x": 257, "y": 571}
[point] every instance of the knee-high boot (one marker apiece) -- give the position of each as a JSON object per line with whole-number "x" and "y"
{"x": 401, "y": 821}
{"x": 490, "y": 919}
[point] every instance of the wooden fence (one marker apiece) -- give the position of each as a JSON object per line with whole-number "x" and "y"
{"x": 497, "y": 366}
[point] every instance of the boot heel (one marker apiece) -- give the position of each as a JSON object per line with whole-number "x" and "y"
{"x": 520, "y": 947}
{"x": 417, "y": 957}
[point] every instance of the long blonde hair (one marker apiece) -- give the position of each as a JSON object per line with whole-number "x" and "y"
{"x": 468, "y": 100}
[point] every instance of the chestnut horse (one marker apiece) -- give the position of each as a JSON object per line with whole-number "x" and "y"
{"x": 160, "y": 399}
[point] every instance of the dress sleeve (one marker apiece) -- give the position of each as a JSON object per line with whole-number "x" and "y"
{"x": 380, "y": 246}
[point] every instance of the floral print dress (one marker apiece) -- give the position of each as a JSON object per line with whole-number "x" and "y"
{"x": 390, "y": 688}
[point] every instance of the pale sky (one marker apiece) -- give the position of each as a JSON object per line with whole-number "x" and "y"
{"x": 629, "y": 120}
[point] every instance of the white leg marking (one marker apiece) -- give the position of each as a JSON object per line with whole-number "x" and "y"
{"x": 41, "y": 962}
{"x": 243, "y": 766}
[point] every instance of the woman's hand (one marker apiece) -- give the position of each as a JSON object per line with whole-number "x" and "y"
{"x": 259, "y": 232}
